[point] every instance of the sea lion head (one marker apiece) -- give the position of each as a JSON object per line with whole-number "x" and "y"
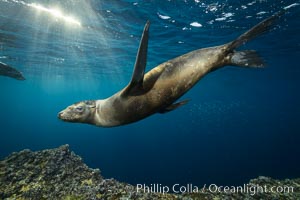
{"x": 81, "y": 112}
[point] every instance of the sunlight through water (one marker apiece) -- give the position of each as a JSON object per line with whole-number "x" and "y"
{"x": 63, "y": 40}
{"x": 55, "y": 13}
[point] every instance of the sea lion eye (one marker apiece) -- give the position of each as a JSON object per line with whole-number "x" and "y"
{"x": 79, "y": 108}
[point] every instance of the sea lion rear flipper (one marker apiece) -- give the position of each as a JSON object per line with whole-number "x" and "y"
{"x": 173, "y": 106}
{"x": 247, "y": 58}
{"x": 250, "y": 58}
{"x": 255, "y": 31}
{"x": 136, "y": 83}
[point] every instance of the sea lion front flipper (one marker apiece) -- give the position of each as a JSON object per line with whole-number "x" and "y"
{"x": 173, "y": 106}
{"x": 136, "y": 83}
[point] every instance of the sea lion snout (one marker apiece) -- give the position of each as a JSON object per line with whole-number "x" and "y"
{"x": 60, "y": 115}
{"x": 21, "y": 77}
{"x": 67, "y": 116}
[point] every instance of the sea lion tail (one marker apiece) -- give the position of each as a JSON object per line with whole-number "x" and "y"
{"x": 250, "y": 58}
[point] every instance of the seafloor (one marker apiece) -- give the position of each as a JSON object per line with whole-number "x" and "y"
{"x": 61, "y": 174}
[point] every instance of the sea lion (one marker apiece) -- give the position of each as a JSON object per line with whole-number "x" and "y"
{"x": 9, "y": 71}
{"x": 157, "y": 90}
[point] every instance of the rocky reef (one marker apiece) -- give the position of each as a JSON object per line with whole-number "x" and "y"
{"x": 61, "y": 174}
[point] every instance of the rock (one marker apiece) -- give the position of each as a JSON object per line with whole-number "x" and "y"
{"x": 60, "y": 174}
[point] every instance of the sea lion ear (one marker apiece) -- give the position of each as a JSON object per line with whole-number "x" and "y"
{"x": 136, "y": 83}
{"x": 90, "y": 103}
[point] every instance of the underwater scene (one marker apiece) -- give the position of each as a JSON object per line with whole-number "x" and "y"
{"x": 230, "y": 117}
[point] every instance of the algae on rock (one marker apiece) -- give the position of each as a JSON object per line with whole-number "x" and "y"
{"x": 60, "y": 174}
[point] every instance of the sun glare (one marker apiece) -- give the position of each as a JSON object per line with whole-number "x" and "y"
{"x": 55, "y": 13}
{"x": 66, "y": 39}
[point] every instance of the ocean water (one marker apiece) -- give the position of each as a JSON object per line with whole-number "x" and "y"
{"x": 239, "y": 124}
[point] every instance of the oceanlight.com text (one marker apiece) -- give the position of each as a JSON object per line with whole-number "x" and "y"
{"x": 251, "y": 189}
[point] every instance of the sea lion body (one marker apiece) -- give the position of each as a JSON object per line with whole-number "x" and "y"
{"x": 6, "y": 70}
{"x": 162, "y": 86}
{"x": 158, "y": 90}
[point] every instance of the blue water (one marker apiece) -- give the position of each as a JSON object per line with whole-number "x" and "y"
{"x": 240, "y": 123}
